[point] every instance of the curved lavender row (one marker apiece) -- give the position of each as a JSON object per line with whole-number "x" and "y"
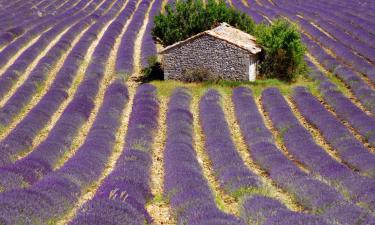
{"x": 257, "y": 17}
{"x": 11, "y": 49}
{"x": 347, "y": 42}
{"x": 355, "y": 38}
{"x": 148, "y": 47}
{"x": 10, "y": 5}
{"x": 185, "y": 186}
{"x": 312, "y": 194}
{"x": 51, "y": 197}
{"x": 359, "y": 88}
{"x": 339, "y": 14}
{"x": 122, "y": 196}
{"x": 41, "y": 161}
{"x": 337, "y": 135}
{"x": 355, "y": 31}
{"x": 261, "y": 210}
{"x": 31, "y": 13}
{"x": 350, "y": 18}
{"x": 36, "y": 119}
{"x": 125, "y": 56}
{"x": 301, "y": 145}
{"x": 344, "y": 108}
{"x": 265, "y": 10}
{"x": 25, "y": 11}
{"x": 227, "y": 164}
{"x": 22, "y": 26}
{"x": 341, "y": 51}
{"x": 38, "y": 75}
{"x": 12, "y": 74}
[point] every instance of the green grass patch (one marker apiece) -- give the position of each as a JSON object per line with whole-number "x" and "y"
{"x": 249, "y": 191}
{"x": 220, "y": 203}
{"x": 165, "y": 88}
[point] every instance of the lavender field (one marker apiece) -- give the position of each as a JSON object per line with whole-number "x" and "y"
{"x": 83, "y": 141}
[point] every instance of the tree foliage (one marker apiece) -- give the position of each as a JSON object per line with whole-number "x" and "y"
{"x": 186, "y": 18}
{"x": 283, "y": 50}
{"x": 283, "y": 56}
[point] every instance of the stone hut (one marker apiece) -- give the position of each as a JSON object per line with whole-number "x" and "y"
{"x": 223, "y": 52}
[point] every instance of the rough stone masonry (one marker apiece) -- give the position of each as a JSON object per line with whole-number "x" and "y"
{"x": 221, "y": 58}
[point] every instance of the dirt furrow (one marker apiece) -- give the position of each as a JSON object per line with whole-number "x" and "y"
{"x": 270, "y": 187}
{"x": 158, "y": 208}
{"x": 224, "y": 201}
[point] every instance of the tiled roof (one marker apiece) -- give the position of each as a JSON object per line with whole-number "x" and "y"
{"x": 227, "y": 33}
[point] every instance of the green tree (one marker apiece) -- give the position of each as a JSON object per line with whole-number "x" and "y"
{"x": 283, "y": 50}
{"x": 190, "y": 17}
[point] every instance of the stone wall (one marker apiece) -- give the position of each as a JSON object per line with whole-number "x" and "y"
{"x": 220, "y": 58}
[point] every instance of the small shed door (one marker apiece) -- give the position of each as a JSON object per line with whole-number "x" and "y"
{"x": 252, "y": 70}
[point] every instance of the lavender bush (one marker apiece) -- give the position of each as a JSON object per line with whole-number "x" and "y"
{"x": 337, "y": 135}
{"x": 122, "y": 196}
{"x": 302, "y": 146}
{"x": 188, "y": 192}
{"x": 55, "y": 194}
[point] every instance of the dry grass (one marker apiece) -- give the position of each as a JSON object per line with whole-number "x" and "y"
{"x": 224, "y": 201}
{"x": 245, "y": 3}
{"x": 158, "y": 208}
{"x": 270, "y": 188}
{"x": 164, "y": 3}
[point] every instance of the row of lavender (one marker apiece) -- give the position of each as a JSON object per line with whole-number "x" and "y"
{"x": 53, "y": 196}
{"x": 358, "y": 13}
{"x": 302, "y": 147}
{"x": 356, "y": 39}
{"x": 148, "y": 47}
{"x": 125, "y": 58}
{"x": 185, "y": 186}
{"x": 44, "y": 157}
{"x": 34, "y": 31}
{"x": 21, "y": 20}
{"x": 312, "y": 194}
{"x": 237, "y": 180}
{"x": 37, "y": 77}
{"x": 39, "y": 115}
{"x": 25, "y": 11}
{"x": 343, "y": 22}
{"x": 344, "y": 108}
{"x": 359, "y": 87}
{"x": 15, "y": 71}
{"x": 345, "y": 46}
{"x": 350, "y": 150}
{"x": 122, "y": 196}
